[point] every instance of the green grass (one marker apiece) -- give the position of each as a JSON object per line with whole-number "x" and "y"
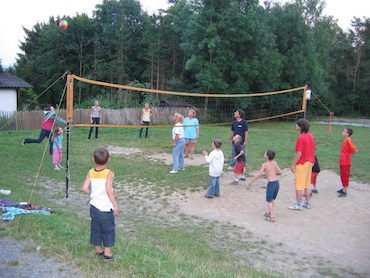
{"x": 149, "y": 244}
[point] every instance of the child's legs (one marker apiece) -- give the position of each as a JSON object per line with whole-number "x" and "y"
{"x": 95, "y": 228}
{"x": 344, "y": 176}
{"x": 238, "y": 170}
{"x": 270, "y": 207}
{"x": 60, "y": 156}
{"x": 102, "y": 230}
{"x": 55, "y": 156}
{"x": 314, "y": 178}
{"x": 108, "y": 231}
{"x": 212, "y": 186}
{"x": 272, "y": 190}
{"x": 302, "y": 181}
{"x": 217, "y": 186}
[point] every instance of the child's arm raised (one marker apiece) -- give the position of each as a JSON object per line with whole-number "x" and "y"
{"x": 278, "y": 170}
{"x": 110, "y": 193}
{"x": 259, "y": 174}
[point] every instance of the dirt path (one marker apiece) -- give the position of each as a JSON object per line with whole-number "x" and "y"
{"x": 335, "y": 229}
{"x": 18, "y": 259}
{"x": 334, "y": 233}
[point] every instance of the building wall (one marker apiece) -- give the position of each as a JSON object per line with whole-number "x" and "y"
{"x": 8, "y": 100}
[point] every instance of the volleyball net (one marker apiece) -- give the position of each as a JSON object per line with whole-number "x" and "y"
{"x": 211, "y": 109}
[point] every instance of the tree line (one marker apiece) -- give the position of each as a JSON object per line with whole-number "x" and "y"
{"x": 207, "y": 46}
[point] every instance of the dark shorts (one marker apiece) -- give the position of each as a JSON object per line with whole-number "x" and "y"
{"x": 102, "y": 228}
{"x": 272, "y": 191}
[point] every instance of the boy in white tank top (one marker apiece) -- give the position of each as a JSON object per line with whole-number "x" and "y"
{"x": 103, "y": 204}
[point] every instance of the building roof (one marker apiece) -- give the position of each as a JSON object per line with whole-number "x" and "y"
{"x": 8, "y": 80}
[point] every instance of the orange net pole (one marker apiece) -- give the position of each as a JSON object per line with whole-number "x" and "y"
{"x": 69, "y": 98}
{"x": 331, "y": 114}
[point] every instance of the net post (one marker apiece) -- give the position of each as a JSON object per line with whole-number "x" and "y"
{"x": 68, "y": 128}
{"x": 330, "y": 121}
{"x": 70, "y": 98}
{"x": 304, "y": 101}
{"x": 68, "y": 131}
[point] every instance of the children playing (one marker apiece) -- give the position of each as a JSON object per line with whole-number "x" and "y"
{"x": 103, "y": 204}
{"x": 57, "y": 140}
{"x": 216, "y": 164}
{"x": 46, "y": 126}
{"x": 271, "y": 168}
{"x": 239, "y": 158}
{"x": 345, "y": 160}
{"x": 302, "y": 165}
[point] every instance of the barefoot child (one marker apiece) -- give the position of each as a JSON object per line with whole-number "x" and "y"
{"x": 103, "y": 204}
{"x": 239, "y": 158}
{"x": 345, "y": 160}
{"x": 57, "y": 140}
{"x": 271, "y": 168}
{"x": 216, "y": 164}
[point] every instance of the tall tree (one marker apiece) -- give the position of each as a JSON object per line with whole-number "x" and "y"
{"x": 361, "y": 77}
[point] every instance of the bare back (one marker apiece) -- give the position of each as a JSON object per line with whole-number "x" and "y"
{"x": 271, "y": 169}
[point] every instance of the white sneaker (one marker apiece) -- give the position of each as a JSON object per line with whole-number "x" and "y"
{"x": 5, "y": 192}
{"x": 230, "y": 168}
{"x": 56, "y": 168}
{"x": 173, "y": 172}
{"x": 295, "y": 207}
{"x": 307, "y": 205}
{"x": 60, "y": 166}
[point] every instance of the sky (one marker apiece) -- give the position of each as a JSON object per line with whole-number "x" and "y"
{"x": 16, "y": 14}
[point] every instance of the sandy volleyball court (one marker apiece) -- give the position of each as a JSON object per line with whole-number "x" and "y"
{"x": 336, "y": 230}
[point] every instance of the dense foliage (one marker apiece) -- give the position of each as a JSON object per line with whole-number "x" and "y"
{"x": 208, "y": 46}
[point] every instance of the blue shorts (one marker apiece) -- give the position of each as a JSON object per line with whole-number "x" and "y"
{"x": 102, "y": 228}
{"x": 272, "y": 191}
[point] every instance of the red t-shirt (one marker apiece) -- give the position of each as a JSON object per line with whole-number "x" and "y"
{"x": 48, "y": 124}
{"x": 306, "y": 145}
{"x": 348, "y": 148}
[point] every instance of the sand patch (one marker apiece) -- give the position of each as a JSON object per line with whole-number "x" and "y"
{"x": 335, "y": 229}
{"x": 123, "y": 150}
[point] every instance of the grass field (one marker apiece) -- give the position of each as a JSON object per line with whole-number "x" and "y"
{"x": 150, "y": 242}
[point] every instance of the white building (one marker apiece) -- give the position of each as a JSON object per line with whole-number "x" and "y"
{"x": 10, "y": 86}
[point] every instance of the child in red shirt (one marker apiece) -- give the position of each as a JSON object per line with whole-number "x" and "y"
{"x": 345, "y": 159}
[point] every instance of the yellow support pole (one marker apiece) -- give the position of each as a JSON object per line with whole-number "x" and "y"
{"x": 69, "y": 123}
{"x": 70, "y": 98}
{"x": 304, "y": 101}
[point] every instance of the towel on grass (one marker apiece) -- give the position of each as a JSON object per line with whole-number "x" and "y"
{"x": 11, "y": 212}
